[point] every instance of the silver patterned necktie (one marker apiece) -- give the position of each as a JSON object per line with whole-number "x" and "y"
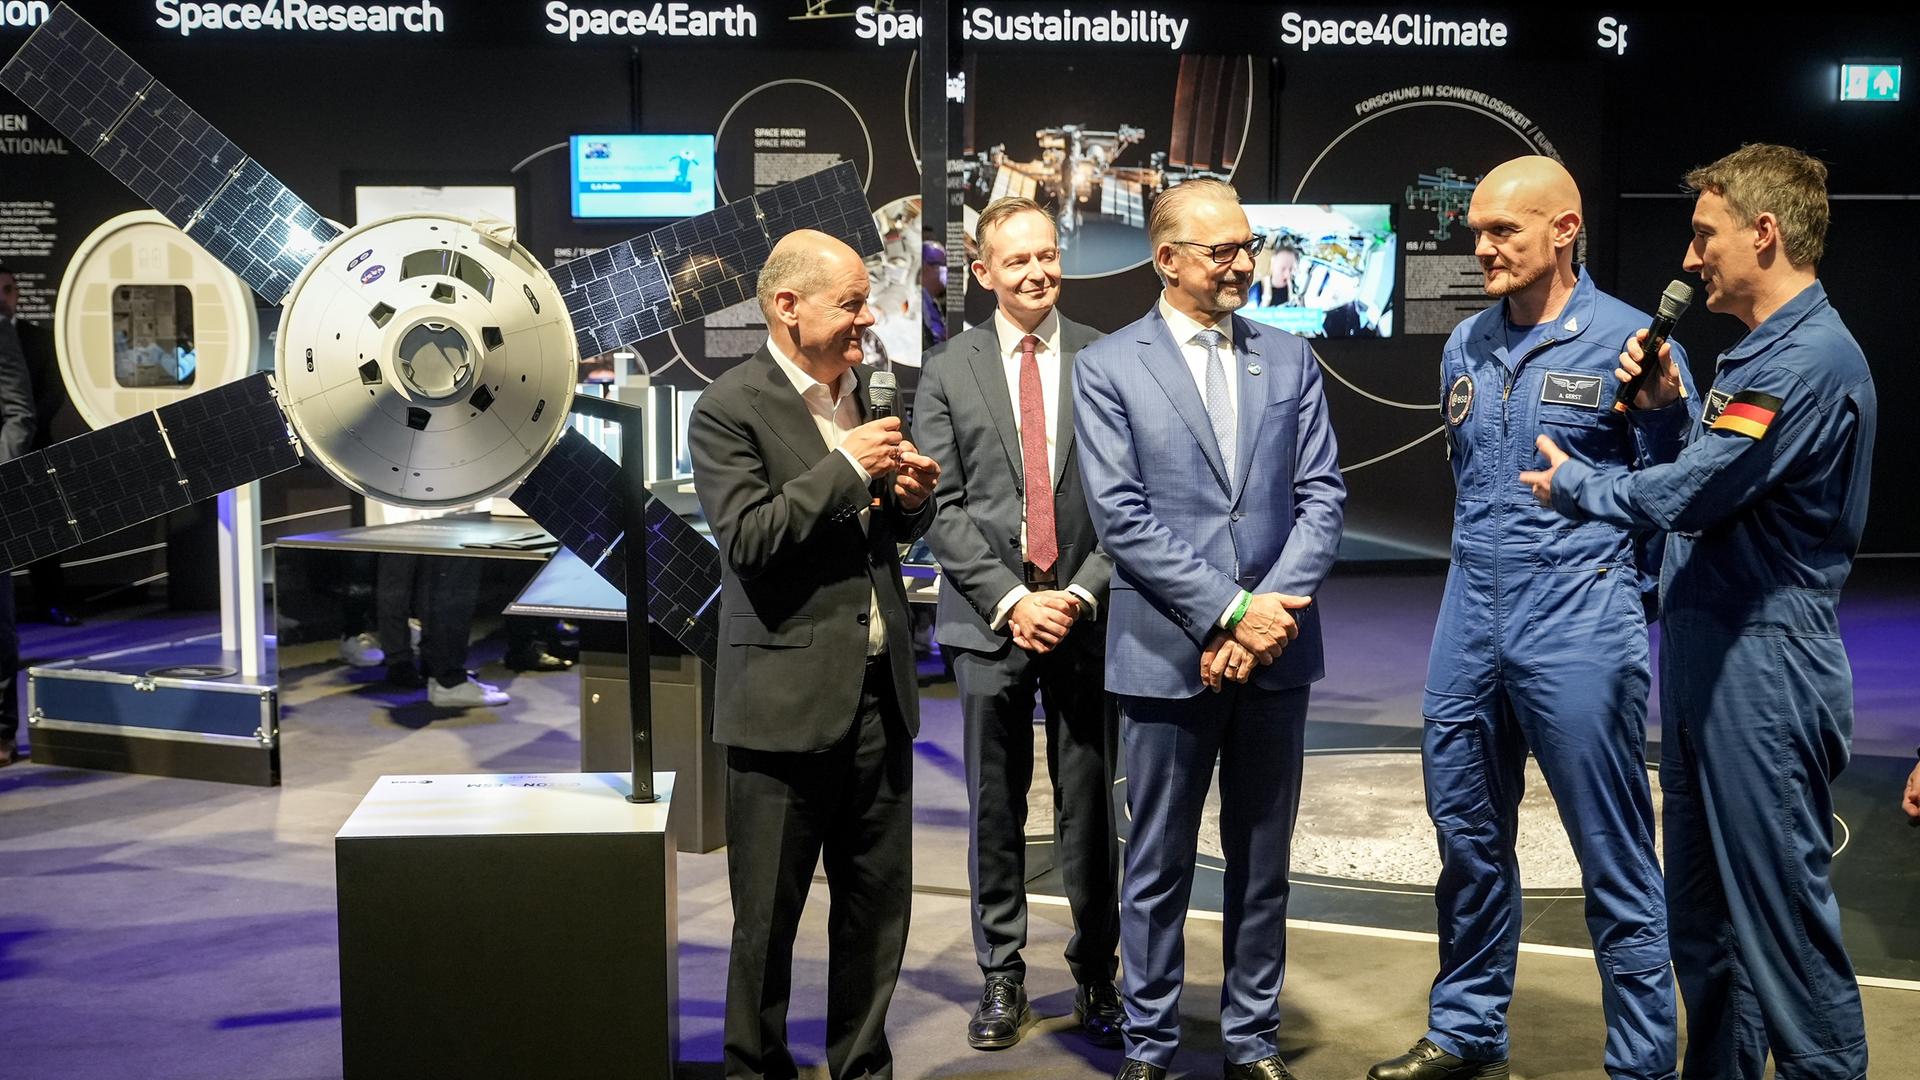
{"x": 1219, "y": 405}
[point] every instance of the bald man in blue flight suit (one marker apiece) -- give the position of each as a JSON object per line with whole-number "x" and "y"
{"x": 1541, "y": 645}
{"x": 1764, "y": 510}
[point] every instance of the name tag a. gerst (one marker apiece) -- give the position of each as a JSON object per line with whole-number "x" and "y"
{"x": 1565, "y": 388}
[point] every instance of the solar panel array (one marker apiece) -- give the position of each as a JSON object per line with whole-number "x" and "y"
{"x": 683, "y": 568}
{"x": 141, "y": 132}
{"x": 693, "y": 268}
{"x": 574, "y": 493}
{"x": 116, "y": 112}
{"x": 1124, "y": 200}
{"x": 106, "y": 480}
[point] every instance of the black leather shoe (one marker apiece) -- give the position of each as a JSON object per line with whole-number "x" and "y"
{"x": 1428, "y": 1062}
{"x": 1267, "y": 1068}
{"x": 55, "y": 616}
{"x": 1097, "y": 1007}
{"x": 1002, "y": 1016}
{"x": 1140, "y": 1070}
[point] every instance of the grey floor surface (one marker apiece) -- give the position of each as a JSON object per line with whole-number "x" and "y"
{"x": 162, "y": 929}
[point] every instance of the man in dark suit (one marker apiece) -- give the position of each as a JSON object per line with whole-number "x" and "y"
{"x": 1211, "y": 469}
{"x": 1025, "y": 582}
{"x": 816, "y": 699}
{"x": 16, "y": 433}
{"x": 49, "y": 397}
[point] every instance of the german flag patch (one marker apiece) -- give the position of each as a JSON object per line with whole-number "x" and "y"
{"x": 1749, "y": 413}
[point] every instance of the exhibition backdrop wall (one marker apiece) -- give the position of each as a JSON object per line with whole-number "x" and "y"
{"x": 1354, "y": 134}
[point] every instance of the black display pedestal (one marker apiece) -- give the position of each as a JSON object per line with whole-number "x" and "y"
{"x": 509, "y": 926}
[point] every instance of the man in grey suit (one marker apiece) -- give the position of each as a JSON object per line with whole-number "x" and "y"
{"x": 1211, "y": 469}
{"x": 1019, "y": 609}
{"x": 816, "y": 700}
{"x": 16, "y": 433}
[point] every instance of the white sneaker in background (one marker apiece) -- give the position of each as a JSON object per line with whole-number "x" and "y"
{"x": 413, "y": 634}
{"x": 465, "y": 695}
{"x": 362, "y": 650}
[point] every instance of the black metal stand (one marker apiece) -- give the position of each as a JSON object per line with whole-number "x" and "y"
{"x": 633, "y": 495}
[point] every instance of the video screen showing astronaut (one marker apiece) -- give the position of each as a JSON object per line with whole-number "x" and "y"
{"x": 153, "y": 336}
{"x": 1325, "y": 271}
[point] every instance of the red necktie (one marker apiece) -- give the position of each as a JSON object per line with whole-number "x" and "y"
{"x": 1042, "y": 547}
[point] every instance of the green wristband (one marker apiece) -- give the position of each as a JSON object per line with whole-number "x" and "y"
{"x": 1239, "y": 609}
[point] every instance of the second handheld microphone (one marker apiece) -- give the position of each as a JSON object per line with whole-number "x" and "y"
{"x": 1673, "y": 304}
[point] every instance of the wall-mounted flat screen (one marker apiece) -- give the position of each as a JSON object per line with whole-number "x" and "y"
{"x": 642, "y": 176}
{"x": 1325, "y": 270}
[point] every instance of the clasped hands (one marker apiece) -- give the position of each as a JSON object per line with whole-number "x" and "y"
{"x": 881, "y": 448}
{"x": 1040, "y": 620}
{"x": 1258, "y": 639}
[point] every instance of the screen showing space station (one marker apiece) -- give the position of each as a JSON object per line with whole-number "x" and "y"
{"x": 642, "y": 176}
{"x": 153, "y": 335}
{"x": 1325, "y": 271}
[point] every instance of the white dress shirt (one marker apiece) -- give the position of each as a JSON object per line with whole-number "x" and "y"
{"x": 1195, "y": 354}
{"x": 1045, "y": 355}
{"x": 835, "y": 415}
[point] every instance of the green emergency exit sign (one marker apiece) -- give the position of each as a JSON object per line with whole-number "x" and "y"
{"x": 1870, "y": 82}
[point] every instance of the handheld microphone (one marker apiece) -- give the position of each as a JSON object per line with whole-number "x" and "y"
{"x": 1673, "y": 304}
{"x": 883, "y": 387}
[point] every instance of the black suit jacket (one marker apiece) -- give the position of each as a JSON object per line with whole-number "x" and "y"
{"x": 964, "y": 419}
{"x": 796, "y": 570}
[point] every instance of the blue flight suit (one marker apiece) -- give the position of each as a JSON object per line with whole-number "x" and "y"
{"x": 1541, "y": 644}
{"x": 1765, "y": 508}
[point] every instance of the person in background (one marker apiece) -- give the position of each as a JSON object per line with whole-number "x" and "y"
{"x": 16, "y": 434}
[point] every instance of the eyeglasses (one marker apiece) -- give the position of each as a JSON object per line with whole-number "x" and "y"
{"x": 1222, "y": 254}
{"x": 851, "y": 307}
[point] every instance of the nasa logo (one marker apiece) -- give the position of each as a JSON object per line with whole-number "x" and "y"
{"x": 372, "y": 273}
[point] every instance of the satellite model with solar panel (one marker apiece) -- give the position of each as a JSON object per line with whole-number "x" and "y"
{"x": 424, "y": 360}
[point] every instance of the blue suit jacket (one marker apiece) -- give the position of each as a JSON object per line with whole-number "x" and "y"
{"x": 1183, "y": 535}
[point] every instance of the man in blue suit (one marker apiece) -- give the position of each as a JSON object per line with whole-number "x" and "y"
{"x": 1210, "y": 469}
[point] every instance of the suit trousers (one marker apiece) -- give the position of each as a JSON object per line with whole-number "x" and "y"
{"x": 1257, "y": 736}
{"x": 441, "y": 591}
{"x": 852, "y": 803}
{"x": 996, "y": 700}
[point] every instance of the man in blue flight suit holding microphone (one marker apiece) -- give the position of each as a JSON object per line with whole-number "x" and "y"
{"x": 1541, "y": 644}
{"x": 1764, "y": 509}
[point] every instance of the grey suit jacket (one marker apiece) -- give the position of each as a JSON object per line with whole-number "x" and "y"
{"x": 964, "y": 419}
{"x": 796, "y": 570}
